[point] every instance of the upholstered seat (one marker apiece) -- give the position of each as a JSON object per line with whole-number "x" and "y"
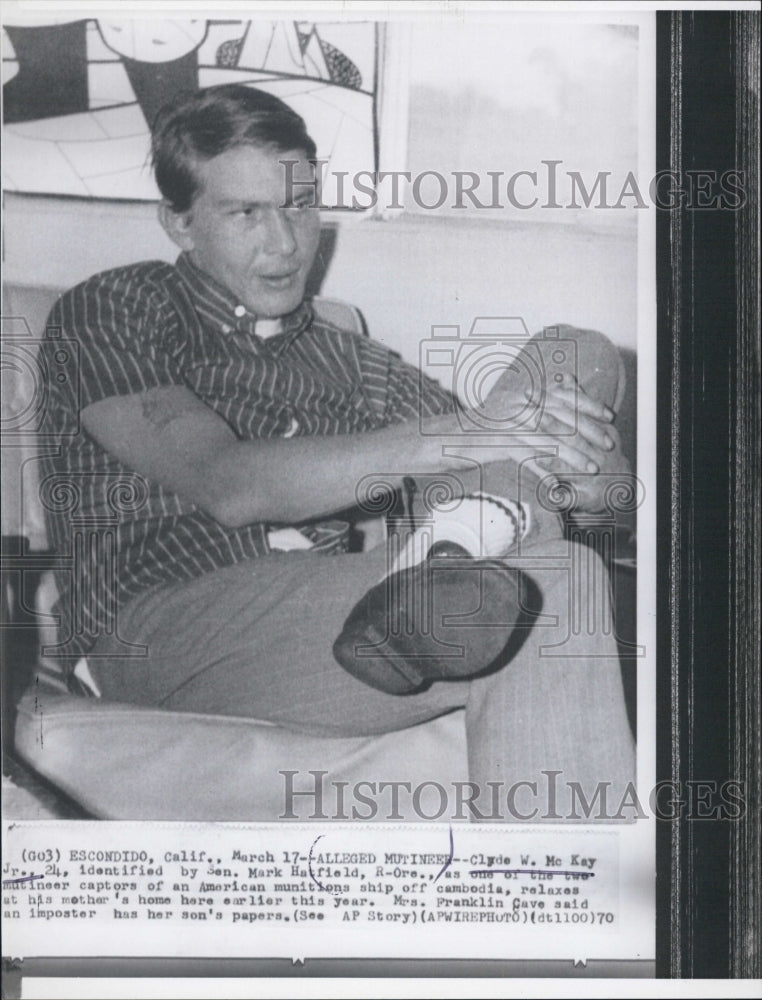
{"x": 123, "y": 762}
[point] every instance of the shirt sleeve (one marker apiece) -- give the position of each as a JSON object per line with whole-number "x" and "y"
{"x": 121, "y": 328}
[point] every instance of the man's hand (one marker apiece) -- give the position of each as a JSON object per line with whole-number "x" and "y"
{"x": 565, "y": 419}
{"x": 590, "y": 487}
{"x": 572, "y": 434}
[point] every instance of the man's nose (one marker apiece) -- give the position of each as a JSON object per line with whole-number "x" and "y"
{"x": 279, "y": 234}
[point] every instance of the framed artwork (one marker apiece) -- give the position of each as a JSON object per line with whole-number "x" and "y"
{"x": 79, "y": 95}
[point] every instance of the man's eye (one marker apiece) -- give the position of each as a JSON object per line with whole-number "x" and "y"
{"x": 247, "y": 212}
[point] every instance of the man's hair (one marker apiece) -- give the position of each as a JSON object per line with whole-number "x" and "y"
{"x": 200, "y": 125}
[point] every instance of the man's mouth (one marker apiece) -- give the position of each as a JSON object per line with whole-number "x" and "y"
{"x": 279, "y": 280}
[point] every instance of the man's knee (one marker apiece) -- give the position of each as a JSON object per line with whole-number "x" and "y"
{"x": 589, "y": 356}
{"x": 573, "y": 583}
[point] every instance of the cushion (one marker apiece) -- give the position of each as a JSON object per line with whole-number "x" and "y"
{"x": 128, "y": 763}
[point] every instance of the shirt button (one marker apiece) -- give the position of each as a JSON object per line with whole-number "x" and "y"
{"x": 240, "y": 311}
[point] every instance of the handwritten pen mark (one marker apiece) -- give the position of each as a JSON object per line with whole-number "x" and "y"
{"x": 18, "y": 881}
{"x": 528, "y": 871}
{"x": 313, "y": 876}
{"x": 447, "y": 863}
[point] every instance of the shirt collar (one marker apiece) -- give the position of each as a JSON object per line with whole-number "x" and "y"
{"x": 223, "y": 311}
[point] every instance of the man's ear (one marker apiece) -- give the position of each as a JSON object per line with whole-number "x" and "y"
{"x": 176, "y": 225}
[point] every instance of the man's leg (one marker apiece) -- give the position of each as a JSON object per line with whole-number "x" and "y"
{"x": 558, "y": 705}
{"x": 255, "y": 640}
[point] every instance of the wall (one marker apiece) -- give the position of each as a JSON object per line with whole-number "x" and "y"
{"x": 405, "y": 274}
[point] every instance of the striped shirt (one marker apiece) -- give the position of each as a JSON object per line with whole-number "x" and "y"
{"x": 152, "y": 324}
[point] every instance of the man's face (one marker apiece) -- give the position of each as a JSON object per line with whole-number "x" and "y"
{"x": 238, "y": 232}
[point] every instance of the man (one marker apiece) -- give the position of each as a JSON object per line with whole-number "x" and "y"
{"x": 225, "y": 426}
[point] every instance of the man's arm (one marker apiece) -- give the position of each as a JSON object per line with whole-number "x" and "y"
{"x": 170, "y": 436}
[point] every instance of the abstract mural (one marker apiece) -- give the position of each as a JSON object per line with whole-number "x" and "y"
{"x": 79, "y": 96}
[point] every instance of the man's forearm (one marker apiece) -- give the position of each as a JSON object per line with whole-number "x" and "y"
{"x": 170, "y": 436}
{"x": 289, "y": 481}
{"x": 292, "y": 480}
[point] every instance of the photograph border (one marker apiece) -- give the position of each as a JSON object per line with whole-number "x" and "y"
{"x": 708, "y": 542}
